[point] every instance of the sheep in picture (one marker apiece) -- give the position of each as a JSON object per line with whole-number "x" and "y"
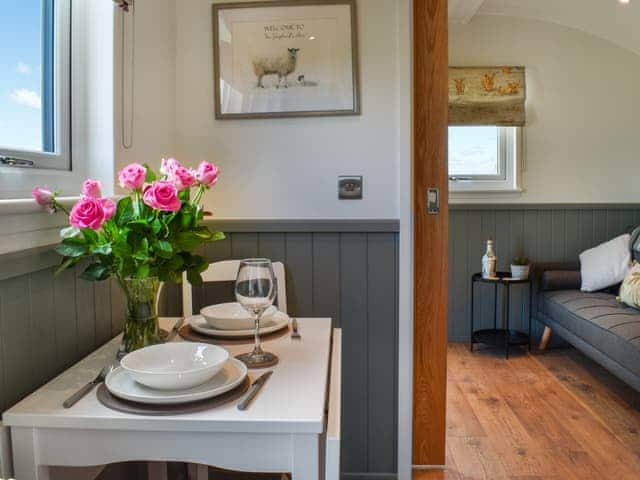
{"x": 281, "y": 66}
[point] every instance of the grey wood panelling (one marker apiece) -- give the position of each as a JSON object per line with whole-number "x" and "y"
{"x": 350, "y": 276}
{"x": 545, "y": 233}
{"x": 47, "y": 324}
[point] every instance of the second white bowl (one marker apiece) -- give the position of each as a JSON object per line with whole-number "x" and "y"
{"x": 232, "y": 316}
{"x": 175, "y": 366}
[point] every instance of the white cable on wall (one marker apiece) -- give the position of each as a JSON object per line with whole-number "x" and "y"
{"x": 127, "y": 59}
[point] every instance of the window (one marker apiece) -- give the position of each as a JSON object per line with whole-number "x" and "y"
{"x": 35, "y": 85}
{"x": 483, "y": 159}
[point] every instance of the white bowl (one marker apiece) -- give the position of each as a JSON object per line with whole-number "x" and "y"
{"x": 175, "y": 366}
{"x": 231, "y": 316}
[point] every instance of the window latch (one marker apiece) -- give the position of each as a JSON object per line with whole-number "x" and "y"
{"x": 16, "y": 162}
{"x": 460, "y": 179}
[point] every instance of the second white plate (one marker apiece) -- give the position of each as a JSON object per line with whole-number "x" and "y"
{"x": 274, "y": 323}
{"x": 122, "y": 385}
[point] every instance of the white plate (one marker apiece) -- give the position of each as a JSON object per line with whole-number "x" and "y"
{"x": 175, "y": 365}
{"x": 269, "y": 325}
{"x": 232, "y": 316}
{"x": 122, "y": 385}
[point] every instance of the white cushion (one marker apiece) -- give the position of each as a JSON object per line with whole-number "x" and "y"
{"x": 606, "y": 265}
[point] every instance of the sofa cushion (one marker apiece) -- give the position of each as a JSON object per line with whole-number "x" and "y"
{"x": 600, "y": 320}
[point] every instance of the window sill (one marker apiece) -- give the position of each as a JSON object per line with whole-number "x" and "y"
{"x": 470, "y": 196}
{"x": 22, "y": 206}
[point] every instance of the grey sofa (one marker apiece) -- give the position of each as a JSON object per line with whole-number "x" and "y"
{"x": 594, "y": 323}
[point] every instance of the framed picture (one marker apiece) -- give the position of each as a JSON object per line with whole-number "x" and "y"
{"x": 285, "y": 58}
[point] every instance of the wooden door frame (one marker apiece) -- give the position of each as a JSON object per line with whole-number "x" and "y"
{"x": 430, "y": 234}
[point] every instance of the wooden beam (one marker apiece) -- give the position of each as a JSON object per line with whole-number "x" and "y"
{"x": 430, "y": 231}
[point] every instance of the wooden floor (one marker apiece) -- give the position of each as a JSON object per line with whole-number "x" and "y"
{"x": 555, "y": 416}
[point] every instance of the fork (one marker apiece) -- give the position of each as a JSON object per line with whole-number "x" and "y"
{"x": 295, "y": 335}
{"x": 73, "y": 399}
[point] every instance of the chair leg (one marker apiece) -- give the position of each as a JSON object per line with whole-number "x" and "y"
{"x": 546, "y": 338}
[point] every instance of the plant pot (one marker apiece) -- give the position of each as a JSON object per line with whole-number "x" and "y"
{"x": 141, "y": 328}
{"x": 520, "y": 271}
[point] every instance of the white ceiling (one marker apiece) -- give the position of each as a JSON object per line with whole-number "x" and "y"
{"x": 607, "y": 19}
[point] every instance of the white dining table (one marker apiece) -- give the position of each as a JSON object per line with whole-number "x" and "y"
{"x": 286, "y": 429}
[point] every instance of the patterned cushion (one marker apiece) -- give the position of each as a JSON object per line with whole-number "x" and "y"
{"x": 635, "y": 244}
{"x": 630, "y": 289}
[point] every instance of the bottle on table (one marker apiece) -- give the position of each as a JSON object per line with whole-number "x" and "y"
{"x": 489, "y": 261}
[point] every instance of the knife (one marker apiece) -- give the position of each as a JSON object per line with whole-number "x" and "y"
{"x": 257, "y": 384}
{"x": 174, "y": 330}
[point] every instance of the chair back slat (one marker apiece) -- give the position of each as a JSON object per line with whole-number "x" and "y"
{"x": 227, "y": 271}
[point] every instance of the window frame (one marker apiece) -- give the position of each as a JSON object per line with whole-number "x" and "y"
{"x": 509, "y": 166}
{"x": 56, "y": 111}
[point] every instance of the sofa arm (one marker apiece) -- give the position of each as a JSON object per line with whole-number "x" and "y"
{"x": 539, "y": 272}
{"x": 561, "y": 280}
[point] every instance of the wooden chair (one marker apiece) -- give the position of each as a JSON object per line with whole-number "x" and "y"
{"x": 226, "y": 271}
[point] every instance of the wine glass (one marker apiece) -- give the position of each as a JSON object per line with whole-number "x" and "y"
{"x": 256, "y": 290}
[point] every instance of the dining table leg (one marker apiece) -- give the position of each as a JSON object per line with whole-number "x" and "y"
{"x": 25, "y": 458}
{"x": 306, "y": 457}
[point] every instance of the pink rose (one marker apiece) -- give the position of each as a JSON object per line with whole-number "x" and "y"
{"x": 43, "y": 197}
{"x": 177, "y": 174}
{"x": 92, "y": 188}
{"x": 162, "y": 196}
{"x": 168, "y": 165}
{"x": 207, "y": 174}
{"x": 88, "y": 213}
{"x": 109, "y": 208}
{"x": 182, "y": 178}
{"x": 132, "y": 176}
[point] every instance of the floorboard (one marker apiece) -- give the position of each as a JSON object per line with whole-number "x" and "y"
{"x": 550, "y": 416}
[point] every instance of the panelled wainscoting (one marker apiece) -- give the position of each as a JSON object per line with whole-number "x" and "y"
{"x": 346, "y": 270}
{"x": 545, "y": 233}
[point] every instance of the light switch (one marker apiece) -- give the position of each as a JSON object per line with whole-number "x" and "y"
{"x": 433, "y": 201}
{"x": 350, "y": 188}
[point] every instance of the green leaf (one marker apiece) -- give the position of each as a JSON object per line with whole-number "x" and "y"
{"x": 73, "y": 250}
{"x": 143, "y": 271}
{"x": 121, "y": 248}
{"x": 104, "y": 249}
{"x": 89, "y": 235}
{"x": 163, "y": 248}
{"x": 188, "y": 241}
{"x": 156, "y": 226}
{"x": 217, "y": 236}
{"x": 95, "y": 272}
{"x": 194, "y": 278}
{"x": 124, "y": 211}
{"x": 69, "y": 232}
{"x": 151, "y": 176}
{"x": 66, "y": 263}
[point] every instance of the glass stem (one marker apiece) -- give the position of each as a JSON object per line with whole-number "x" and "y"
{"x": 257, "y": 349}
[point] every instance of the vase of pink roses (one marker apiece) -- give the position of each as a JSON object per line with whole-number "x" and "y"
{"x": 149, "y": 236}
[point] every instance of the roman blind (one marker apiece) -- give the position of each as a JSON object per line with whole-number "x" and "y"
{"x": 487, "y": 96}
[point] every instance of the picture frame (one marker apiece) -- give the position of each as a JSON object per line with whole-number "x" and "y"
{"x": 285, "y": 58}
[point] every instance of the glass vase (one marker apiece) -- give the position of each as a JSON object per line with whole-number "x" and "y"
{"x": 141, "y": 327}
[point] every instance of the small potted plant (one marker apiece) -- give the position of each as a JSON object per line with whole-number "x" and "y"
{"x": 520, "y": 267}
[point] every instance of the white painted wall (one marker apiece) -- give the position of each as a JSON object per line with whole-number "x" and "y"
{"x": 154, "y": 127}
{"x": 288, "y": 168}
{"x": 583, "y": 109}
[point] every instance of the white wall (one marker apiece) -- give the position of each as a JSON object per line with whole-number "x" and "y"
{"x": 154, "y": 84}
{"x": 583, "y": 109}
{"x": 288, "y": 168}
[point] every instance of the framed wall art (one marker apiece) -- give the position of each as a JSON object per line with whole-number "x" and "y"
{"x": 285, "y": 58}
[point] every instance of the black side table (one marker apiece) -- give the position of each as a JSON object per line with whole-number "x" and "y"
{"x": 505, "y": 336}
